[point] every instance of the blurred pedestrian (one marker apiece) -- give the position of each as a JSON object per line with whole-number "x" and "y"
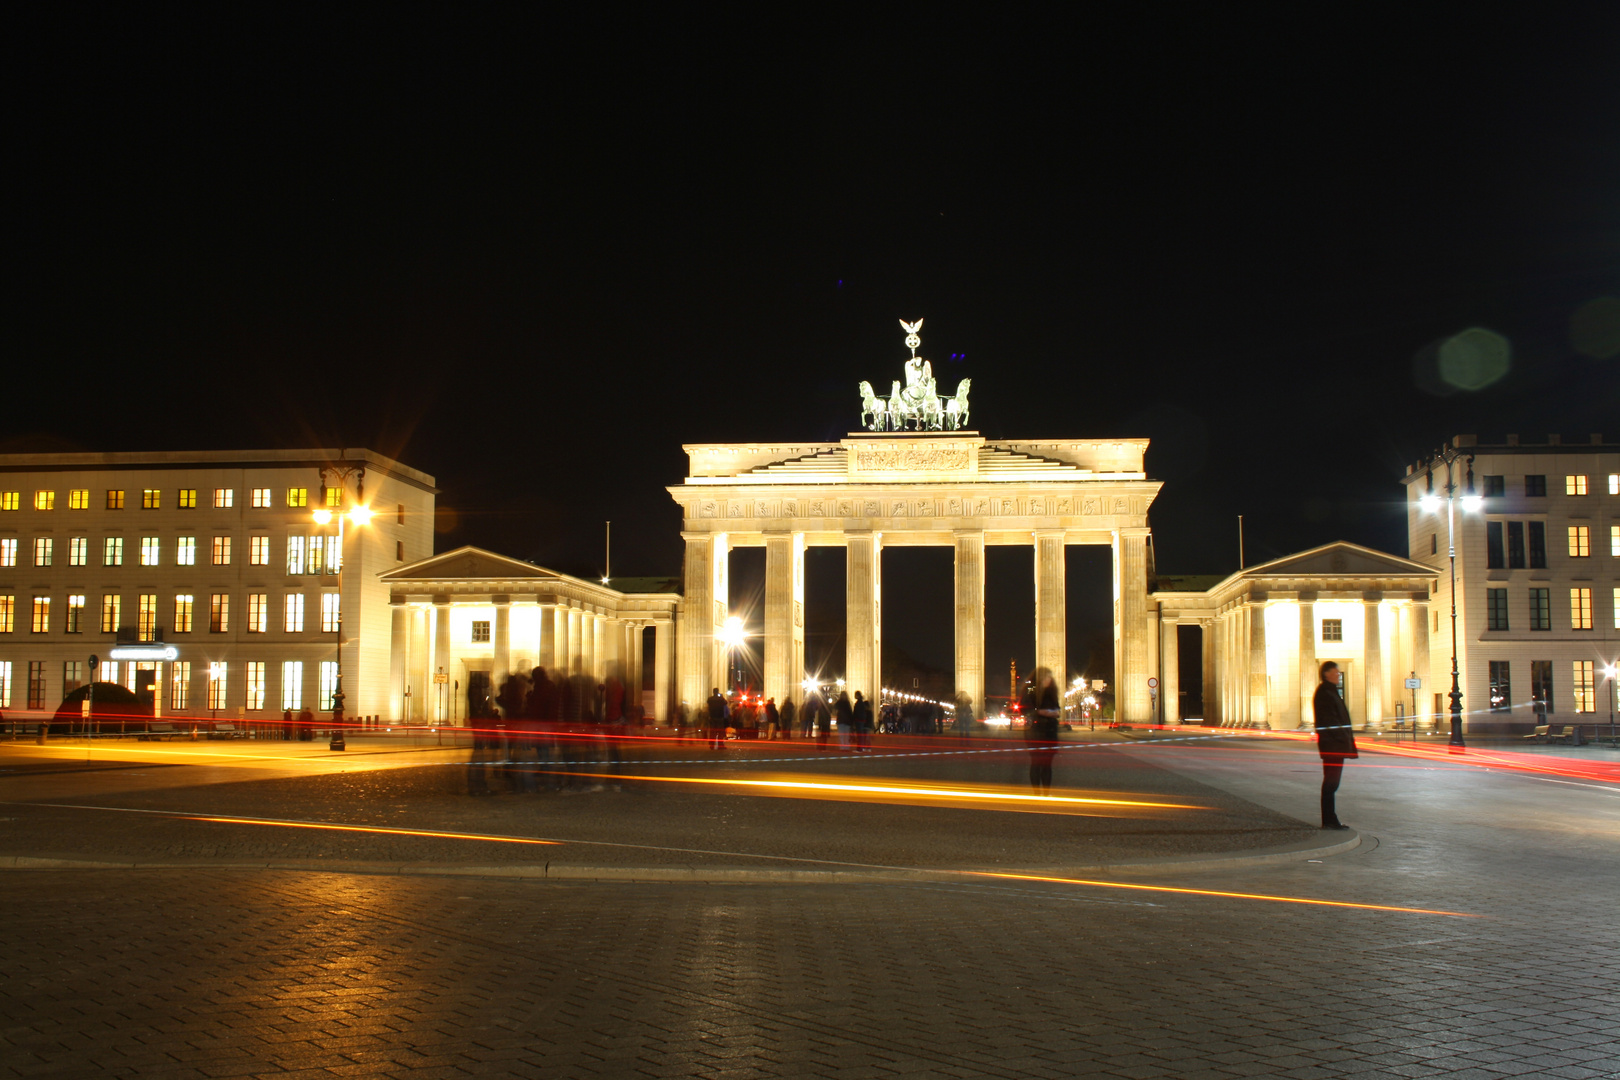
{"x": 1335, "y": 741}
{"x": 306, "y": 725}
{"x": 786, "y": 718}
{"x": 844, "y": 714}
{"x": 772, "y": 719}
{"x": 1043, "y": 707}
{"x": 861, "y": 717}
{"x": 717, "y": 710}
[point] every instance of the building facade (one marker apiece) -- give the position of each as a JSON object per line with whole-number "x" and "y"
{"x": 216, "y": 555}
{"x": 1538, "y": 578}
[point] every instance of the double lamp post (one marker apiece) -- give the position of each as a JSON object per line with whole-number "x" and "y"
{"x": 1430, "y": 502}
{"x": 360, "y": 514}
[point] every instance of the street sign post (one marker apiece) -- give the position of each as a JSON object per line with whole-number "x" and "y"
{"x": 1413, "y": 683}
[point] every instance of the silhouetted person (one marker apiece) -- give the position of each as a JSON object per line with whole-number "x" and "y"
{"x": 773, "y": 719}
{"x": 306, "y": 726}
{"x": 861, "y": 717}
{"x": 716, "y": 707}
{"x": 823, "y": 725}
{"x": 786, "y": 718}
{"x": 844, "y": 713}
{"x": 1042, "y": 707}
{"x": 1334, "y": 739}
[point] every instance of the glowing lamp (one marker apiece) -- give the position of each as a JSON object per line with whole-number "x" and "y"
{"x": 1430, "y": 503}
{"x": 1472, "y": 503}
{"x": 360, "y": 515}
{"x": 323, "y": 517}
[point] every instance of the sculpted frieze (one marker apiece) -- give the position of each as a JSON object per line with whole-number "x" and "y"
{"x": 912, "y": 458}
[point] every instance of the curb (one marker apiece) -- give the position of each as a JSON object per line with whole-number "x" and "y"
{"x": 710, "y": 874}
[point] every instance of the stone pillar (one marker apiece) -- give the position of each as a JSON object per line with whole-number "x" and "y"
{"x": 1155, "y": 698}
{"x": 636, "y": 649}
{"x": 442, "y": 706}
{"x": 784, "y": 615}
{"x": 545, "y": 644}
{"x": 1051, "y": 606}
{"x": 559, "y": 641}
{"x": 399, "y": 634}
{"x": 502, "y": 632}
{"x": 1131, "y": 656}
{"x": 863, "y": 633}
{"x": 1259, "y": 682}
{"x": 663, "y": 652}
{"x": 1210, "y": 706}
{"x": 970, "y": 617}
{"x": 1372, "y": 680}
{"x": 1307, "y": 662}
{"x": 1169, "y": 670}
{"x": 419, "y": 708}
{"x": 576, "y": 640}
{"x": 1420, "y": 653}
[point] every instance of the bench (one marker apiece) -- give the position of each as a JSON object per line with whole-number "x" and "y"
{"x": 227, "y": 731}
{"x": 1571, "y": 734}
{"x": 158, "y": 731}
{"x": 1542, "y": 733}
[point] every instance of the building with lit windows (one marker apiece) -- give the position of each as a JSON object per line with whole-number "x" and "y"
{"x": 218, "y": 557}
{"x": 1538, "y": 578}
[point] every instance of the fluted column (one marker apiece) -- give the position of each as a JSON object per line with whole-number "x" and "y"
{"x": 545, "y": 646}
{"x": 399, "y": 634}
{"x": 503, "y": 643}
{"x": 784, "y": 614}
{"x": 1210, "y": 706}
{"x": 970, "y": 617}
{"x": 863, "y": 633}
{"x": 702, "y": 664}
{"x": 1420, "y": 653}
{"x": 443, "y": 707}
{"x": 1131, "y": 657}
{"x": 1051, "y": 610}
{"x": 1372, "y": 681}
{"x": 1307, "y": 662}
{"x": 591, "y": 631}
{"x": 663, "y": 653}
{"x": 576, "y": 636}
{"x": 1169, "y": 670}
{"x": 1259, "y": 681}
{"x": 636, "y": 648}
{"x": 419, "y": 709}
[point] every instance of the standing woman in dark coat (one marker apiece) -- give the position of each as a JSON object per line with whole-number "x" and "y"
{"x": 1042, "y": 709}
{"x": 1334, "y": 739}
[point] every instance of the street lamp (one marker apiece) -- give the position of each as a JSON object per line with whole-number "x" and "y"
{"x": 1613, "y": 672}
{"x": 360, "y": 514}
{"x": 1430, "y": 502}
{"x": 731, "y": 634}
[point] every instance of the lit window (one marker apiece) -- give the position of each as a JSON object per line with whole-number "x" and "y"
{"x": 151, "y": 550}
{"x": 79, "y": 551}
{"x": 255, "y": 684}
{"x": 109, "y": 672}
{"x": 224, "y": 498}
{"x": 151, "y": 498}
{"x": 79, "y": 499}
{"x": 180, "y": 685}
{"x": 36, "y": 684}
{"x": 10, "y": 500}
{"x": 331, "y": 612}
{"x": 115, "y": 499}
{"x": 185, "y": 551}
{"x": 217, "y": 681}
{"x": 1574, "y": 485}
{"x": 44, "y": 500}
{"x": 332, "y": 497}
{"x": 334, "y": 554}
{"x": 146, "y": 616}
{"x": 317, "y": 545}
{"x": 44, "y": 550}
{"x": 188, "y": 498}
{"x": 112, "y": 551}
{"x": 1580, "y": 609}
{"x": 1582, "y": 685}
{"x": 261, "y": 498}
{"x": 295, "y": 555}
{"x": 1332, "y": 629}
{"x": 1541, "y": 609}
{"x": 259, "y": 550}
{"x": 293, "y": 617}
{"x": 1614, "y": 541}
{"x": 222, "y": 551}
{"x": 258, "y": 619}
{"x": 8, "y": 614}
{"x": 42, "y": 614}
{"x": 8, "y": 552}
{"x": 480, "y": 630}
{"x": 75, "y": 614}
{"x": 1496, "y": 609}
{"x": 292, "y": 685}
{"x": 1616, "y": 609}
{"x": 219, "y": 613}
{"x": 297, "y": 497}
{"x": 1614, "y": 483}
{"x": 329, "y": 671}
{"x": 1580, "y": 541}
{"x": 110, "y": 606}
{"x": 182, "y": 613}
{"x": 5, "y": 684}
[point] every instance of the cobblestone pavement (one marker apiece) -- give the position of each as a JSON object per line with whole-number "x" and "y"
{"x": 220, "y": 973}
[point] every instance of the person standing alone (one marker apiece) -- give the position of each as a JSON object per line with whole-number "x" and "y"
{"x": 1042, "y": 709}
{"x": 1334, "y": 739}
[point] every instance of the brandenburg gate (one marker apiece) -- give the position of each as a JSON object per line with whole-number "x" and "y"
{"x": 911, "y": 481}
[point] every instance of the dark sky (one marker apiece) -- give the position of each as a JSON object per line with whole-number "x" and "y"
{"x": 533, "y": 256}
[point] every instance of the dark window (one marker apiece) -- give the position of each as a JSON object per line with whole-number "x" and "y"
{"x": 1541, "y": 686}
{"x": 1515, "y": 553}
{"x": 1332, "y": 629}
{"x": 1540, "y": 609}
{"x": 1501, "y": 687}
{"x": 36, "y": 684}
{"x": 1496, "y": 609}
{"x": 399, "y": 551}
{"x": 1538, "y": 545}
{"x": 1535, "y": 487}
{"x": 1495, "y": 486}
{"x": 1434, "y": 543}
{"x": 1495, "y": 556}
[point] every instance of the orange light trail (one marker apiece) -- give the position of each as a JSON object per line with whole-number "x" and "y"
{"x": 1219, "y": 892}
{"x": 366, "y": 829}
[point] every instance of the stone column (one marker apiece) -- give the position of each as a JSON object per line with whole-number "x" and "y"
{"x": 784, "y": 615}
{"x": 1169, "y": 670}
{"x": 663, "y": 652}
{"x": 970, "y": 617}
{"x": 1420, "y": 653}
{"x": 575, "y": 639}
{"x": 399, "y": 633}
{"x": 1155, "y": 698}
{"x": 442, "y": 706}
{"x": 545, "y": 646}
{"x": 1307, "y": 662}
{"x": 863, "y": 634}
{"x": 591, "y": 630}
{"x": 419, "y": 708}
{"x": 1259, "y": 682}
{"x": 1051, "y": 606}
{"x": 635, "y": 646}
{"x": 1131, "y": 658}
{"x": 1372, "y": 680}
{"x": 1210, "y": 706}
{"x": 503, "y": 643}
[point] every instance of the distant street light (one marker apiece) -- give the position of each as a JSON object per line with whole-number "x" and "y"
{"x": 1430, "y": 502}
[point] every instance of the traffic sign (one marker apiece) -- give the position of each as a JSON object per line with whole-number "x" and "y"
{"x": 1153, "y": 683}
{"x": 95, "y": 661}
{"x": 440, "y": 677}
{"x": 1414, "y": 684}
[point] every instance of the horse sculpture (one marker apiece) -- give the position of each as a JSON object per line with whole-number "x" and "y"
{"x": 917, "y": 405}
{"x": 874, "y": 414}
{"x": 956, "y": 408}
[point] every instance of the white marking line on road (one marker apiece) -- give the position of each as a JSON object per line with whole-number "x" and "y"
{"x": 1002, "y": 875}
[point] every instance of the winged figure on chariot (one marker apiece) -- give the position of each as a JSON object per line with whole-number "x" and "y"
{"x": 915, "y": 406}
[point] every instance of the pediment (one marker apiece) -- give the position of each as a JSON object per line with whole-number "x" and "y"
{"x": 1339, "y": 559}
{"x": 470, "y": 563}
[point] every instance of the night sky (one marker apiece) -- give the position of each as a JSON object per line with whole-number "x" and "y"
{"x": 534, "y": 255}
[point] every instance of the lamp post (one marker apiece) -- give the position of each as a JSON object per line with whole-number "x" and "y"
{"x": 731, "y": 635}
{"x": 361, "y": 515}
{"x": 1430, "y": 502}
{"x": 1613, "y": 672}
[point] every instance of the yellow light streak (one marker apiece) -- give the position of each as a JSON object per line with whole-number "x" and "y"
{"x": 1217, "y": 892}
{"x": 367, "y": 829}
{"x": 890, "y": 789}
